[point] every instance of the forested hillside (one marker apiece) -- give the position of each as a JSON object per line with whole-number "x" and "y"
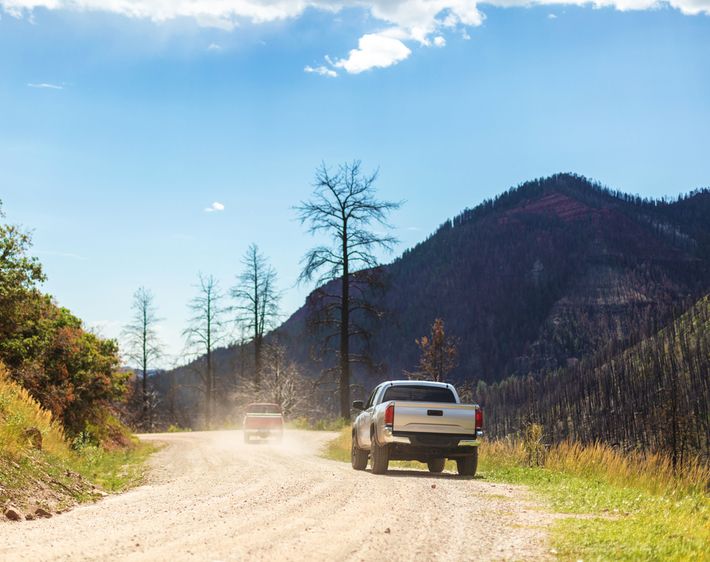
{"x": 544, "y": 277}
{"x": 654, "y": 395}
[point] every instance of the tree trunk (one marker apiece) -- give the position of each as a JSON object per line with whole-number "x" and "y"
{"x": 210, "y": 382}
{"x": 257, "y": 336}
{"x": 145, "y": 368}
{"x": 345, "y": 333}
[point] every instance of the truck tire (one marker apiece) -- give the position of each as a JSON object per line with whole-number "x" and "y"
{"x": 358, "y": 457}
{"x": 380, "y": 457}
{"x": 436, "y": 465}
{"x": 467, "y": 465}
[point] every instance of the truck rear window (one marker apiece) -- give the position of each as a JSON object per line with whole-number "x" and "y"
{"x": 263, "y": 409}
{"x": 419, "y": 394}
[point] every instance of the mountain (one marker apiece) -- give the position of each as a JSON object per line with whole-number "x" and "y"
{"x": 539, "y": 278}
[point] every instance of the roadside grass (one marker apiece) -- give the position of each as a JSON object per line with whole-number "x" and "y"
{"x": 615, "y": 505}
{"x": 174, "y": 428}
{"x": 114, "y": 470}
{"x": 339, "y": 448}
{"x": 57, "y": 473}
{"x": 335, "y": 424}
{"x": 629, "y": 506}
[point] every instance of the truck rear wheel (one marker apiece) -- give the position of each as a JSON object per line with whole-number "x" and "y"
{"x": 380, "y": 457}
{"x": 358, "y": 457}
{"x": 436, "y": 465}
{"x": 467, "y": 465}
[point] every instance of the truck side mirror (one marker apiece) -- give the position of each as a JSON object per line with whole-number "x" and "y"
{"x": 358, "y": 405}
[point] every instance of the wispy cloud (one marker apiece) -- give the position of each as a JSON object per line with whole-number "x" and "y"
{"x": 215, "y": 207}
{"x": 45, "y": 86}
{"x": 214, "y": 47}
{"x": 322, "y": 70}
{"x": 397, "y": 25}
{"x": 68, "y": 255}
{"x": 551, "y": 16}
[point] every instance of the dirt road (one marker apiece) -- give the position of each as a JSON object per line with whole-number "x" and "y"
{"x": 211, "y": 497}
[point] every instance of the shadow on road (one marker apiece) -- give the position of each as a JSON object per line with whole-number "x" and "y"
{"x": 413, "y": 473}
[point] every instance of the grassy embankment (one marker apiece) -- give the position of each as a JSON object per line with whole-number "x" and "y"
{"x": 334, "y": 424}
{"x": 634, "y": 506}
{"x": 59, "y": 474}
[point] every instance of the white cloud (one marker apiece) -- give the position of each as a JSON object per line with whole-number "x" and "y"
{"x": 214, "y": 47}
{"x": 405, "y": 21}
{"x": 375, "y": 50}
{"x": 551, "y": 16}
{"x": 322, "y": 70}
{"x": 45, "y": 86}
{"x": 215, "y": 207}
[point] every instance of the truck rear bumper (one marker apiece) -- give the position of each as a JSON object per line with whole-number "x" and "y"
{"x": 263, "y": 432}
{"x": 430, "y": 440}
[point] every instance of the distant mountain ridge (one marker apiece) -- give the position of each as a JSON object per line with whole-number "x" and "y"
{"x": 538, "y": 278}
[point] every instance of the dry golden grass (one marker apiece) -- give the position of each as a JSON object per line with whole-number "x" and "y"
{"x": 651, "y": 472}
{"x": 18, "y": 412}
{"x": 57, "y": 475}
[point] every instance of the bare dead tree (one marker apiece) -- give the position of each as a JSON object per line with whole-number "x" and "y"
{"x": 257, "y": 301}
{"x": 205, "y": 332}
{"x": 283, "y": 382}
{"x": 143, "y": 345}
{"x": 344, "y": 208}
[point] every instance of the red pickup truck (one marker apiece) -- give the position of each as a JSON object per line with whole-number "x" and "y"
{"x": 263, "y": 420}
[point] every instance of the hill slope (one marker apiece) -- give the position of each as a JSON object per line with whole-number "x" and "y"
{"x": 539, "y": 278}
{"x": 654, "y": 395}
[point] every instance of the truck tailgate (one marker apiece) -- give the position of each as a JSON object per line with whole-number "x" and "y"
{"x": 262, "y": 421}
{"x": 434, "y": 417}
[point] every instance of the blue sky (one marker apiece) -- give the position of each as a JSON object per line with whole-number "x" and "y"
{"x": 118, "y": 129}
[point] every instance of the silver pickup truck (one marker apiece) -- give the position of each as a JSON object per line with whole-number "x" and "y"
{"x": 416, "y": 420}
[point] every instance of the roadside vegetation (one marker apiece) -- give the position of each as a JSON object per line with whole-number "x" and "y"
{"x": 618, "y": 505}
{"x": 60, "y": 439}
{"x": 332, "y": 424}
{"x": 41, "y": 469}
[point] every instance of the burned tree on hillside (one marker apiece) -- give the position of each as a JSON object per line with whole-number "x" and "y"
{"x": 144, "y": 347}
{"x": 257, "y": 301}
{"x": 204, "y": 333}
{"x": 439, "y": 353}
{"x": 344, "y": 208}
{"x": 283, "y": 383}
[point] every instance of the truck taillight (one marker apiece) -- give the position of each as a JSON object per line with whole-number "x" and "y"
{"x": 479, "y": 418}
{"x": 389, "y": 414}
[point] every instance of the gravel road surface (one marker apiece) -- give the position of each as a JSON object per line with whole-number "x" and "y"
{"x": 211, "y": 497}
